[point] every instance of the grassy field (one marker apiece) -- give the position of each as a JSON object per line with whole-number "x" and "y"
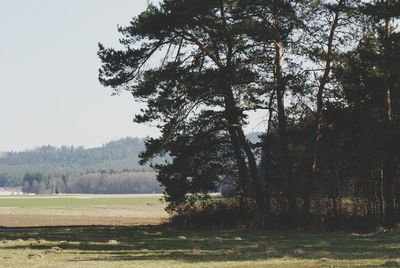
{"x": 78, "y": 200}
{"x": 81, "y": 210}
{"x": 154, "y": 246}
{"x": 123, "y": 242}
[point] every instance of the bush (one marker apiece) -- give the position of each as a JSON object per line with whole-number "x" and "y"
{"x": 220, "y": 213}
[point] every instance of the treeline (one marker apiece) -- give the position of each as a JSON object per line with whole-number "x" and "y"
{"x": 93, "y": 183}
{"x": 111, "y": 169}
{"x": 118, "y": 156}
{"x": 7, "y": 180}
{"x": 325, "y": 74}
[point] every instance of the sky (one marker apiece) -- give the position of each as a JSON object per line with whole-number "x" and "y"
{"x": 49, "y": 89}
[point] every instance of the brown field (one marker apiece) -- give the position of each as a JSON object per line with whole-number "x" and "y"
{"x": 67, "y": 217}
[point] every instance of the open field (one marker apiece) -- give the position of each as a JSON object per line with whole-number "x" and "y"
{"x": 81, "y": 210}
{"x": 127, "y": 235}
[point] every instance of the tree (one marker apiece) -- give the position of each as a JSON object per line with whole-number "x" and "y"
{"x": 362, "y": 74}
{"x": 388, "y": 10}
{"x": 201, "y": 44}
{"x": 326, "y": 76}
{"x": 323, "y": 42}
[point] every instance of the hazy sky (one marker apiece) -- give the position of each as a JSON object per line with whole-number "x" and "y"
{"x": 49, "y": 92}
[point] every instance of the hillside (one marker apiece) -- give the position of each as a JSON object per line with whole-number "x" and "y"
{"x": 116, "y": 156}
{"x": 116, "y": 152}
{"x": 111, "y": 168}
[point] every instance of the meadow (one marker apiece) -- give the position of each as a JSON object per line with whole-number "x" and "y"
{"x": 125, "y": 231}
{"x": 79, "y": 200}
{"x": 80, "y": 210}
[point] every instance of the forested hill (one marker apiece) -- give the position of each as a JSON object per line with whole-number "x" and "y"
{"x": 116, "y": 161}
{"x": 116, "y": 155}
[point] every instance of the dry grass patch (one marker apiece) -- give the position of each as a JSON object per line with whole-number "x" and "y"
{"x": 34, "y": 256}
{"x": 54, "y": 250}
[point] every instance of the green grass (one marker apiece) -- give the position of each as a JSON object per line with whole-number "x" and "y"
{"x": 39, "y": 211}
{"x": 161, "y": 247}
{"x": 76, "y": 201}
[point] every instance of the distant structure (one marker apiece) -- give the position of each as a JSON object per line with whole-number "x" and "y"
{"x": 6, "y": 191}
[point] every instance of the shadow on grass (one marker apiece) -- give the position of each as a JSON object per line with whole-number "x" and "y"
{"x": 164, "y": 243}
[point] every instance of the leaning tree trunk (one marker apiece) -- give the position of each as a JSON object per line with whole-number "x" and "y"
{"x": 240, "y": 161}
{"x": 315, "y": 168}
{"x": 235, "y": 126}
{"x": 266, "y": 154}
{"x": 258, "y": 190}
{"x": 234, "y": 119}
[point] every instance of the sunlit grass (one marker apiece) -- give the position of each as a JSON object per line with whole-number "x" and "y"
{"x": 74, "y": 201}
{"x": 165, "y": 247}
{"x": 81, "y": 210}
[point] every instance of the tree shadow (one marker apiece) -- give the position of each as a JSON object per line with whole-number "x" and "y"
{"x": 111, "y": 243}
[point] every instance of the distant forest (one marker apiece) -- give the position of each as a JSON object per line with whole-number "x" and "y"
{"x": 112, "y": 168}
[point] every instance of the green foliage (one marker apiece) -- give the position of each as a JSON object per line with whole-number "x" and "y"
{"x": 326, "y": 72}
{"x": 113, "y": 168}
{"x": 117, "y": 155}
{"x": 93, "y": 183}
{"x": 209, "y": 213}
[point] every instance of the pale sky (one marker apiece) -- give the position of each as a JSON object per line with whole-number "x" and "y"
{"x": 49, "y": 91}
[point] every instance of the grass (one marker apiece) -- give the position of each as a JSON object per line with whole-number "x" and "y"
{"x": 120, "y": 239}
{"x": 29, "y": 202}
{"x": 157, "y": 246}
{"x": 80, "y": 210}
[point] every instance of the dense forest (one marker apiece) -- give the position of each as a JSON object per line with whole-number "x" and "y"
{"x": 125, "y": 182}
{"x": 115, "y": 155}
{"x": 112, "y": 168}
{"x": 325, "y": 73}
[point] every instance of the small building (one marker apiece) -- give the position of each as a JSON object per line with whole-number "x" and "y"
{"x": 7, "y": 191}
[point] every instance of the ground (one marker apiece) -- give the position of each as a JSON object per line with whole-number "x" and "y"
{"x": 78, "y": 210}
{"x": 133, "y": 244}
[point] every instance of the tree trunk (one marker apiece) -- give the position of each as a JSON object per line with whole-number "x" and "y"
{"x": 309, "y": 187}
{"x": 388, "y": 182}
{"x": 381, "y": 212}
{"x": 282, "y": 122}
{"x": 234, "y": 120}
{"x": 240, "y": 161}
{"x": 258, "y": 190}
{"x": 389, "y": 154}
{"x": 236, "y": 131}
{"x": 266, "y": 154}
